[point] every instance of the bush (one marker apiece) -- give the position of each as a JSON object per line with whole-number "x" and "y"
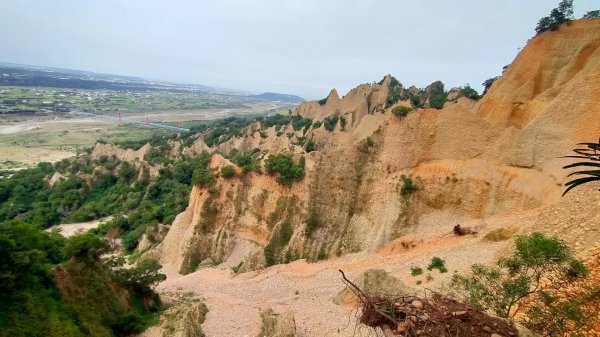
{"x": 437, "y": 263}
{"x": 401, "y": 111}
{"x": 437, "y": 101}
{"x": 203, "y": 174}
{"x": 487, "y": 84}
{"x": 416, "y": 101}
{"x": 395, "y": 93}
{"x": 247, "y": 163}
{"x": 416, "y": 271}
{"x": 126, "y": 171}
{"x": 408, "y": 185}
{"x": 316, "y": 124}
{"x": 283, "y": 164}
{"x": 143, "y": 276}
{"x": 592, "y": 15}
{"x": 469, "y": 92}
{"x": 312, "y": 223}
{"x": 310, "y": 146}
{"x": 227, "y": 171}
{"x": 331, "y": 122}
{"x": 276, "y": 120}
{"x": 87, "y": 247}
{"x": 279, "y": 239}
{"x": 299, "y": 122}
{"x": 539, "y": 266}
{"x": 343, "y": 123}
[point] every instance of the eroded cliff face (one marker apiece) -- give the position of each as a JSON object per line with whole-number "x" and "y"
{"x": 469, "y": 161}
{"x": 358, "y": 102}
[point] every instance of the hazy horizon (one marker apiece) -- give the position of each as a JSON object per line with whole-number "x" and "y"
{"x": 296, "y": 47}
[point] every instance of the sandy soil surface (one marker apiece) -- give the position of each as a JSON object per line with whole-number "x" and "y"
{"x": 234, "y": 301}
{"x": 71, "y": 229}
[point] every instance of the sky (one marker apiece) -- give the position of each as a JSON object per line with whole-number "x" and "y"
{"x": 302, "y": 47}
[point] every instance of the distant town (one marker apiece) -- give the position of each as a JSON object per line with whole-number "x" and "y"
{"x": 28, "y": 90}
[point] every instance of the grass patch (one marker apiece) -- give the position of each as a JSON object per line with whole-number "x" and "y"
{"x": 416, "y": 271}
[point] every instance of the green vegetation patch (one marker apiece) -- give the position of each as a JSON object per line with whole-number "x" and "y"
{"x": 401, "y": 111}
{"x": 329, "y": 123}
{"x": 288, "y": 171}
{"x": 437, "y": 263}
{"x": 538, "y": 273}
{"x": 53, "y": 286}
{"x": 416, "y": 271}
{"x": 408, "y": 185}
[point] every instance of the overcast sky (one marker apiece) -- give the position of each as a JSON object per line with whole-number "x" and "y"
{"x": 303, "y": 47}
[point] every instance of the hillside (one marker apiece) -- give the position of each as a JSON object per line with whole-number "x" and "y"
{"x": 493, "y": 165}
{"x": 272, "y": 96}
{"x": 470, "y": 161}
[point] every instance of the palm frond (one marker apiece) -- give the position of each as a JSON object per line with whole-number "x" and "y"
{"x": 582, "y": 164}
{"x": 591, "y": 153}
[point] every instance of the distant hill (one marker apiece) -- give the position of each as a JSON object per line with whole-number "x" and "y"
{"x": 26, "y": 75}
{"x": 272, "y": 96}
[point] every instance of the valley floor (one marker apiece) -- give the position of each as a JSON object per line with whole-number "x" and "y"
{"x": 307, "y": 289}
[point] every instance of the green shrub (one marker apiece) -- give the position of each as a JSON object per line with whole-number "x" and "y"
{"x": 323, "y": 101}
{"x": 408, "y": 185}
{"x": 437, "y": 95}
{"x": 155, "y": 156}
{"x": 487, "y": 84}
{"x": 395, "y": 93}
{"x": 469, "y": 92}
{"x": 283, "y": 165}
{"x": 310, "y": 146}
{"x": 592, "y": 15}
{"x": 299, "y": 123}
{"x": 312, "y": 223}
{"x": 539, "y": 266}
{"x": 276, "y": 120}
{"x": 416, "y": 271}
{"x": 437, "y": 263}
{"x": 247, "y": 162}
{"x": 316, "y": 124}
{"x": 279, "y": 239}
{"x": 343, "y": 123}
{"x": 331, "y": 122}
{"x": 227, "y": 171}
{"x": 203, "y": 175}
{"x": 401, "y": 111}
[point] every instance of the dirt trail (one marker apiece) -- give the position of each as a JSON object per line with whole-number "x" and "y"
{"x": 234, "y": 301}
{"x": 71, "y": 229}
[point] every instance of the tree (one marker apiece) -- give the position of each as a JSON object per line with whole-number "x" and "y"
{"x": 401, "y": 111}
{"x": 469, "y": 92}
{"x": 539, "y": 266}
{"x": 126, "y": 171}
{"x": 143, "y": 276}
{"x": 283, "y": 164}
{"x": 487, "y": 84}
{"x": 86, "y": 247}
{"x": 563, "y": 13}
{"x": 591, "y": 153}
{"x": 227, "y": 171}
{"x": 592, "y": 14}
